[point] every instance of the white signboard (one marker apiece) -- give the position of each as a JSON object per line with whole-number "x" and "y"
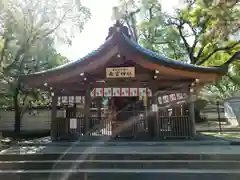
{"x": 73, "y": 123}
{"x": 154, "y": 108}
{"x": 177, "y": 98}
{"x": 120, "y": 72}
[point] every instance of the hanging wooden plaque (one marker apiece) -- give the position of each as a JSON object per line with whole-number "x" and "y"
{"x": 120, "y": 72}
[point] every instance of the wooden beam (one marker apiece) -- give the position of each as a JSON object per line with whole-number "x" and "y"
{"x": 138, "y": 77}
{"x": 112, "y": 83}
{"x": 78, "y": 92}
{"x": 192, "y": 100}
{"x": 87, "y": 107}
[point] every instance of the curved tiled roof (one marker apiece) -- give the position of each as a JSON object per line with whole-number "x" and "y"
{"x": 165, "y": 61}
{"x": 122, "y": 39}
{"x": 81, "y": 61}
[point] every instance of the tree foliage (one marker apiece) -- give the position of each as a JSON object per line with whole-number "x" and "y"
{"x": 156, "y": 35}
{"x": 202, "y": 32}
{"x": 28, "y": 30}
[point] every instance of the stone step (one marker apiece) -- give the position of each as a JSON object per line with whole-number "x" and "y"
{"x": 119, "y": 164}
{"x": 129, "y": 143}
{"x": 119, "y": 174}
{"x": 119, "y": 156}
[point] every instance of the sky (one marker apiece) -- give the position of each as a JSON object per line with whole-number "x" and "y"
{"x": 96, "y": 29}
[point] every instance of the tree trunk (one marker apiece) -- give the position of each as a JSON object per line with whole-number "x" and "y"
{"x": 17, "y": 115}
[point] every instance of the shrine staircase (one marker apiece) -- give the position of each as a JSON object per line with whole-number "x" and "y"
{"x": 119, "y": 162}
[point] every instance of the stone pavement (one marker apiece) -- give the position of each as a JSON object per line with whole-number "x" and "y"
{"x": 204, "y": 144}
{"x": 201, "y": 149}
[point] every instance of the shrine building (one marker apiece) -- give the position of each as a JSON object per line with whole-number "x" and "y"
{"x": 123, "y": 90}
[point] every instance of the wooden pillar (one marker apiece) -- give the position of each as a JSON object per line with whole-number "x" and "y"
{"x": 99, "y": 108}
{"x": 54, "y": 117}
{"x": 99, "y": 113}
{"x": 151, "y": 115}
{"x": 146, "y": 107}
{"x": 87, "y": 107}
{"x": 192, "y": 99}
{"x": 156, "y": 113}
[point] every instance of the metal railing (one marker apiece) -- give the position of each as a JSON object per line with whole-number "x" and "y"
{"x": 173, "y": 122}
{"x": 168, "y": 122}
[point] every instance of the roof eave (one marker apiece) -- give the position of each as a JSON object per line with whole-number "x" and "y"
{"x": 109, "y": 43}
{"x": 130, "y": 45}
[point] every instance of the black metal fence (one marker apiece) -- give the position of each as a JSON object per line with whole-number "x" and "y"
{"x": 167, "y": 122}
{"x": 173, "y": 122}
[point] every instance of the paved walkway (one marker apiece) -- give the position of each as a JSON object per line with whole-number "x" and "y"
{"x": 204, "y": 144}
{"x": 214, "y": 149}
{"x": 214, "y": 127}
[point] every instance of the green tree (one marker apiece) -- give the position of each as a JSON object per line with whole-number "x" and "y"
{"x": 28, "y": 31}
{"x": 148, "y": 20}
{"x": 202, "y": 32}
{"x": 156, "y": 35}
{"x": 205, "y": 38}
{"x": 127, "y": 11}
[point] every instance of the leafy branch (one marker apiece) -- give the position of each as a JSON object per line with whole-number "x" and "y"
{"x": 226, "y": 48}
